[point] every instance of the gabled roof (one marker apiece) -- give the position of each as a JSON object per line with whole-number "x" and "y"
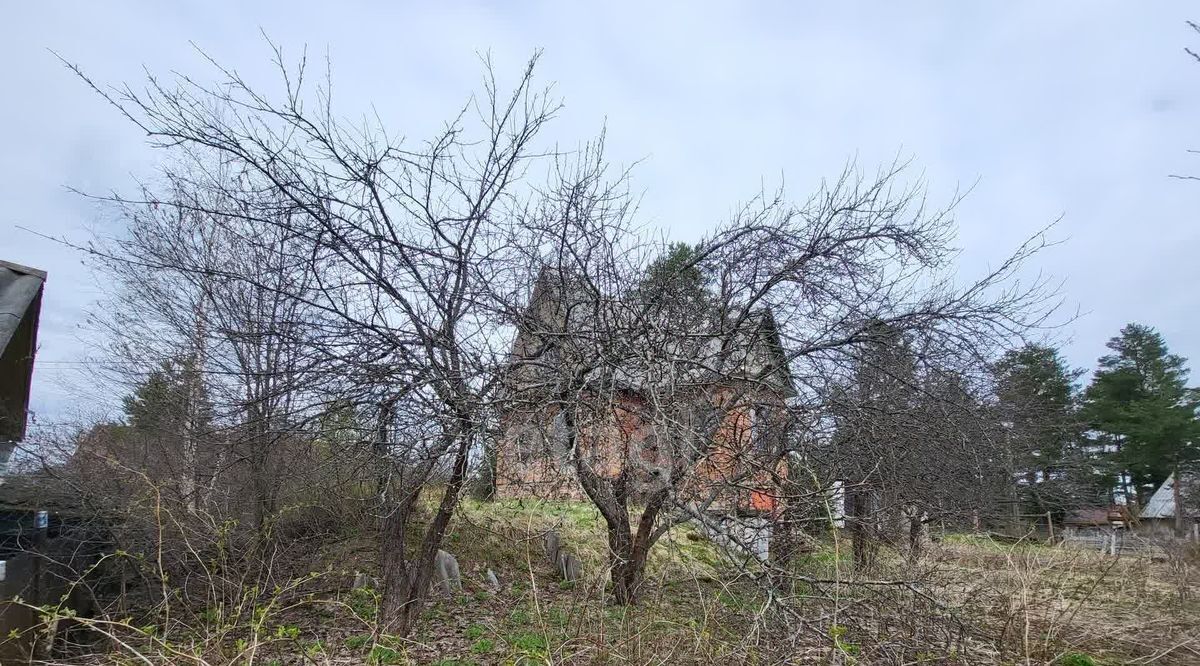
{"x": 20, "y": 308}
{"x": 1162, "y": 502}
{"x": 563, "y": 308}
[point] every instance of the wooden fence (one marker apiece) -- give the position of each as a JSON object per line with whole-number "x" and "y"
{"x": 1118, "y": 543}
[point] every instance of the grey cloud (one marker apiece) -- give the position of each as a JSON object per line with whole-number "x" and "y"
{"x": 1078, "y": 109}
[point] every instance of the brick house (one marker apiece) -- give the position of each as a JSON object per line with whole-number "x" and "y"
{"x": 712, "y": 401}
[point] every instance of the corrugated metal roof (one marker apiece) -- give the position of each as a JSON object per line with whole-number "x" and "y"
{"x": 1162, "y": 502}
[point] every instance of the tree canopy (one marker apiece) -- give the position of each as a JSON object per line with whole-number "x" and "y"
{"x": 1037, "y": 401}
{"x": 1142, "y": 410}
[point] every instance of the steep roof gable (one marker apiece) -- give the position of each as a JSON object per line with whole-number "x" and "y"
{"x": 562, "y": 306}
{"x": 1162, "y": 502}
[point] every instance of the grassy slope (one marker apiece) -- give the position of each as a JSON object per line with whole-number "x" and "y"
{"x": 1042, "y": 602}
{"x": 686, "y": 616}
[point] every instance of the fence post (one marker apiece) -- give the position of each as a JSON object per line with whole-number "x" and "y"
{"x": 41, "y": 525}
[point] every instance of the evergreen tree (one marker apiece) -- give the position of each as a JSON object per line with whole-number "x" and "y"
{"x": 171, "y": 417}
{"x": 674, "y": 287}
{"x": 874, "y": 435}
{"x": 1037, "y": 407}
{"x": 1142, "y": 409}
{"x": 169, "y": 401}
{"x": 675, "y": 270}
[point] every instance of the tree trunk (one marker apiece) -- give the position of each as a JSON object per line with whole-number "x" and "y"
{"x": 862, "y": 536}
{"x": 1177, "y": 496}
{"x": 627, "y": 579}
{"x": 393, "y": 565}
{"x": 627, "y": 550}
{"x": 628, "y": 567}
{"x": 382, "y": 443}
{"x": 259, "y": 455}
{"x": 620, "y": 547}
{"x": 262, "y": 490}
{"x": 782, "y": 545}
{"x": 917, "y": 533}
{"x": 406, "y": 582}
{"x": 486, "y": 489}
{"x": 785, "y": 530}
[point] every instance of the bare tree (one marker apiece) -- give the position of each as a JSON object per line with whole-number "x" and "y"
{"x": 410, "y": 263}
{"x": 205, "y": 279}
{"x": 663, "y": 411}
{"x": 408, "y": 252}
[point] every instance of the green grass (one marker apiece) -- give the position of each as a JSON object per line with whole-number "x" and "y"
{"x": 475, "y": 631}
{"x": 557, "y": 617}
{"x": 382, "y": 655}
{"x": 530, "y": 645}
{"x": 1075, "y": 659}
{"x": 683, "y": 550}
{"x": 512, "y": 627}
{"x": 358, "y": 642}
{"x": 364, "y": 602}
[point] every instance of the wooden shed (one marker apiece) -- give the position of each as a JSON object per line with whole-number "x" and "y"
{"x": 1158, "y": 516}
{"x": 1090, "y": 521}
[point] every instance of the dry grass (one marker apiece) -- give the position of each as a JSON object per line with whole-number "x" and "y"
{"x": 969, "y": 601}
{"x": 1042, "y": 602}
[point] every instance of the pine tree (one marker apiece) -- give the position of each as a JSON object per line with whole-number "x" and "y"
{"x": 1037, "y": 407}
{"x": 169, "y": 397}
{"x": 1143, "y": 410}
{"x": 171, "y": 414}
{"x": 674, "y": 287}
{"x": 874, "y": 433}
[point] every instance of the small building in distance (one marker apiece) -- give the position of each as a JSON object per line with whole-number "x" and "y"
{"x": 1158, "y": 516}
{"x": 1090, "y": 522}
{"x": 20, "y": 518}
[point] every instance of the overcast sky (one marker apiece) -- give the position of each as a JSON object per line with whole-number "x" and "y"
{"x": 1072, "y": 109}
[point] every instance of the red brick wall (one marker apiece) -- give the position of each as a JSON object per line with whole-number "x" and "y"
{"x": 526, "y": 467}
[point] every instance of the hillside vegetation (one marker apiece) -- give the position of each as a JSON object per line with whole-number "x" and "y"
{"x": 979, "y": 601}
